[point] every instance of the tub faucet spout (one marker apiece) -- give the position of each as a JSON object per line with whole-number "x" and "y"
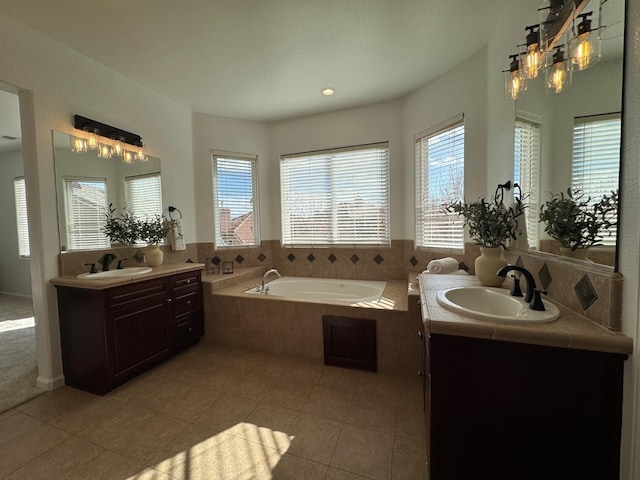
{"x": 266, "y": 275}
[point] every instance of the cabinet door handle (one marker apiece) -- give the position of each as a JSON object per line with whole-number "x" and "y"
{"x": 168, "y": 300}
{"x": 420, "y": 335}
{"x": 188, "y": 302}
{"x": 420, "y": 373}
{"x": 190, "y": 329}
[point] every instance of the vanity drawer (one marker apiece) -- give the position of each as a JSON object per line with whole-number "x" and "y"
{"x": 187, "y": 332}
{"x": 186, "y": 303}
{"x": 185, "y": 281}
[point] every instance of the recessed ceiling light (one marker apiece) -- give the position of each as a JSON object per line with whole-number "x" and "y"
{"x": 328, "y": 91}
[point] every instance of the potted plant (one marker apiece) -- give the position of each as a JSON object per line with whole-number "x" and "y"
{"x": 121, "y": 229}
{"x": 577, "y": 222}
{"x": 491, "y": 223}
{"x": 153, "y": 231}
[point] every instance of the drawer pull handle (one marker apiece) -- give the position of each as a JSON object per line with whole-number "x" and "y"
{"x": 188, "y": 302}
{"x": 190, "y": 329}
{"x": 168, "y": 300}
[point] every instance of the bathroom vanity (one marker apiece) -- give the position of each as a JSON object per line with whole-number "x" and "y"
{"x": 111, "y": 331}
{"x": 507, "y": 401}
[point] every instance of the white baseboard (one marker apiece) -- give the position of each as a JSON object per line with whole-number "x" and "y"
{"x": 50, "y": 383}
{"x": 17, "y": 295}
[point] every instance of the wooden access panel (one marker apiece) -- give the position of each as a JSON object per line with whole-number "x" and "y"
{"x": 350, "y": 342}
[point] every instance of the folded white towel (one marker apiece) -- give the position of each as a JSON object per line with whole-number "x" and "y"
{"x": 443, "y": 265}
{"x": 457, "y": 272}
{"x": 177, "y": 239}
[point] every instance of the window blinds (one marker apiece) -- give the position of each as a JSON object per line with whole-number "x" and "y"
{"x": 235, "y": 200}
{"x": 440, "y": 182}
{"x": 143, "y": 196}
{"x": 20, "y": 195}
{"x": 596, "y": 160}
{"x": 336, "y": 197}
{"x": 85, "y": 208}
{"x": 527, "y": 174}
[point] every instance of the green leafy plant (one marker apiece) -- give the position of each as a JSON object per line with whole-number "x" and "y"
{"x": 491, "y": 223}
{"x": 578, "y": 222}
{"x": 153, "y": 231}
{"x": 121, "y": 229}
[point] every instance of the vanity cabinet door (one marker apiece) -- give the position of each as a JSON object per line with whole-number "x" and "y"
{"x": 503, "y": 410}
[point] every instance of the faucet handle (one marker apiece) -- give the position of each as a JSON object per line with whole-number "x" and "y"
{"x": 93, "y": 267}
{"x": 516, "y": 291}
{"x": 120, "y": 267}
{"x": 536, "y": 301}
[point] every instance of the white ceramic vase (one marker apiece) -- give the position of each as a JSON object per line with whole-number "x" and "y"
{"x": 153, "y": 255}
{"x": 487, "y": 264}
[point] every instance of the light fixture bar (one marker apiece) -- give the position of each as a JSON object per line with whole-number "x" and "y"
{"x": 105, "y": 130}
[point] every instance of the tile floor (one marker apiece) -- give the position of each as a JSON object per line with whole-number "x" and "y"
{"x": 216, "y": 413}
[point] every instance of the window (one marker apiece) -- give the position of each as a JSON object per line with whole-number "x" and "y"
{"x": 143, "y": 195}
{"x": 336, "y": 197}
{"x": 235, "y": 200}
{"x": 20, "y": 194}
{"x": 596, "y": 160}
{"x": 440, "y": 182}
{"x": 85, "y": 208}
{"x": 526, "y": 170}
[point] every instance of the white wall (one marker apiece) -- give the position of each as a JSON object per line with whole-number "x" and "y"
{"x": 15, "y": 277}
{"x": 54, "y": 83}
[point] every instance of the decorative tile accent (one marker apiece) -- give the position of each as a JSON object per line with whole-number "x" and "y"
{"x": 262, "y": 257}
{"x": 413, "y": 261}
{"x": 239, "y": 259}
{"x": 463, "y": 266}
{"x": 311, "y": 257}
{"x": 545, "y": 276}
{"x": 291, "y": 257}
{"x": 378, "y": 259}
{"x": 332, "y": 258}
{"x": 138, "y": 256}
{"x": 585, "y": 292}
{"x": 355, "y": 258}
{"x": 189, "y": 260}
{"x": 215, "y": 260}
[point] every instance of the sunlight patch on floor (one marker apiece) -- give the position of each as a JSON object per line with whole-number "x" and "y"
{"x": 17, "y": 324}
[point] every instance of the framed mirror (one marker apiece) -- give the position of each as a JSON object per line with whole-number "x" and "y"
{"x": 576, "y": 134}
{"x": 87, "y": 186}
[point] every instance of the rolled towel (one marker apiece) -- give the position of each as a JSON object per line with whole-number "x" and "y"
{"x": 457, "y": 272}
{"x": 443, "y": 265}
{"x": 177, "y": 239}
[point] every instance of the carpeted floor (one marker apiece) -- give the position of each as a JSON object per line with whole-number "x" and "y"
{"x": 19, "y": 367}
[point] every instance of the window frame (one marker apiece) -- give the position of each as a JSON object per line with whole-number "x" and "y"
{"x": 332, "y": 163}
{"x": 236, "y": 157}
{"x": 128, "y": 180}
{"x": 454, "y": 241}
{"x": 67, "y": 206}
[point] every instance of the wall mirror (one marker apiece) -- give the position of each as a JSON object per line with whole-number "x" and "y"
{"x": 559, "y": 119}
{"x": 86, "y": 185}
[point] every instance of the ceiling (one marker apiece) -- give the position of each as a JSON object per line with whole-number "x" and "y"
{"x": 268, "y": 59}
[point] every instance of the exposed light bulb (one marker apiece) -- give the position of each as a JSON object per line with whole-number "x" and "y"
{"x": 559, "y": 73}
{"x": 118, "y": 146}
{"x": 515, "y": 81}
{"x": 78, "y": 145}
{"x": 533, "y": 58}
{"x": 104, "y": 151}
{"x": 585, "y": 46}
{"x": 127, "y": 157}
{"x": 93, "y": 142}
{"x": 140, "y": 156}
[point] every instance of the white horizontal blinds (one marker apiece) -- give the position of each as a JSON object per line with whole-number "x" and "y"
{"x": 235, "y": 201}
{"x": 20, "y": 194}
{"x": 86, "y": 207}
{"x": 527, "y": 174}
{"x": 440, "y": 182}
{"x": 336, "y": 197}
{"x": 143, "y": 196}
{"x": 596, "y": 160}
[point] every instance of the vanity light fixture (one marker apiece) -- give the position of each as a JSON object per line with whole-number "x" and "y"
{"x": 586, "y": 44}
{"x": 514, "y": 79}
{"x": 107, "y": 140}
{"x": 328, "y": 91}
{"x": 533, "y": 57}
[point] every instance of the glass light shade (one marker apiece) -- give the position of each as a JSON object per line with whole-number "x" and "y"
{"x": 140, "y": 156}
{"x": 104, "y": 151}
{"x": 127, "y": 156}
{"x": 514, "y": 79}
{"x": 558, "y": 76}
{"x": 555, "y": 18}
{"x": 78, "y": 144}
{"x": 118, "y": 146}
{"x": 532, "y": 61}
{"x": 585, "y": 50}
{"x": 93, "y": 141}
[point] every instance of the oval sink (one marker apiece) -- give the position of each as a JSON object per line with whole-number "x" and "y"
{"x": 494, "y": 304}
{"x": 123, "y": 272}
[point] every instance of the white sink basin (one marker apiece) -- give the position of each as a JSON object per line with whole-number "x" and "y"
{"x": 123, "y": 272}
{"x": 494, "y": 304}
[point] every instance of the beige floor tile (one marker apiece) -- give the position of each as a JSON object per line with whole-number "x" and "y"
{"x": 344, "y": 378}
{"x": 372, "y": 412}
{"x": 268, "y": 425}
{"x": 409, "y": 393}
{"x": 60, "y": 402}
{"x": 328, "y": 402}
{"x": 227, "y": 411}
{"x": 336, "y": 474}
{"x": 304, "y": 372}
{"x": 150, "y": 392}
{"x": 191, "y": 404}
{"x": 253, "y": 385}
{"x": 219, "y": 379}
{"x": 288, "y": 393}
{"x": 148, "y": 439}
{"x": 58, "y": 462}
{"x": 409, "y": 460}
{"x": 410, "y": 423}
{"x": 365, "y": 452}
{"x": 14, "y": 423}
{"x": 290, "y": 467}
{"x": 379, "y": 386}
{"x": 27, "y": 446}
{"x": 110, "y": 466}
{"x": 314, "y": 437}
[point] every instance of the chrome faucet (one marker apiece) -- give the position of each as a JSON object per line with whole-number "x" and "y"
{"x": 264, "y": 277}
{"x": 106, "y": 261}
{"x": 533, "y": 295}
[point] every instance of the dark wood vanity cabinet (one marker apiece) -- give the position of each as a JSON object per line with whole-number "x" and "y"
{"x": 501, "y": 410}
{"x": 109, "y": 336}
